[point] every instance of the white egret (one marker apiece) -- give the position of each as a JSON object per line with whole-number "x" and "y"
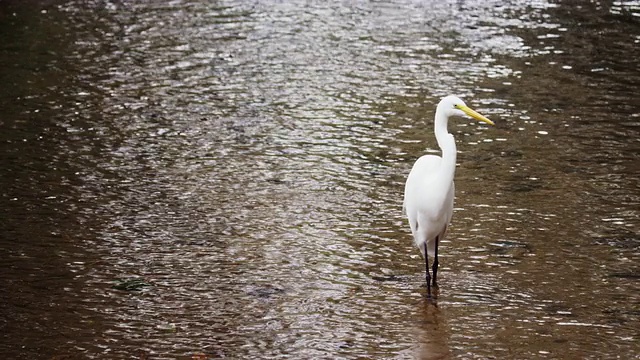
{"x": 429, "y": 190}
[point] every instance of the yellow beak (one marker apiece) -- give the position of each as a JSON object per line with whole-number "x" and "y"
{"x": 474, "y": 114}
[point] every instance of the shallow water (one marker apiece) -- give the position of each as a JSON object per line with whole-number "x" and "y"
{"x": 245, "y": 163}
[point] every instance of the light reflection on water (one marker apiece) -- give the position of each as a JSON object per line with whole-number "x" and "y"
{"x": 248, "y": 160}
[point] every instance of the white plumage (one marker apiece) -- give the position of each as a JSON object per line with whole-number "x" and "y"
{"x": 429, "y": 190}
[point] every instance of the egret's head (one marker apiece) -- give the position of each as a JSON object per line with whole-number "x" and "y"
{"x": 454, "y": 106}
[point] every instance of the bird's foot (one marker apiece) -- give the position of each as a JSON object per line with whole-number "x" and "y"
{"x": 432, "y": 299}
{"x": 432, "y": 292}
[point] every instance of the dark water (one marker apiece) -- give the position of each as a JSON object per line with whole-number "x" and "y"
{"x": 196, "y": 179}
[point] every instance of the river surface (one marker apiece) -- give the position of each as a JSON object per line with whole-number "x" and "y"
{"x": 224, "y": 179}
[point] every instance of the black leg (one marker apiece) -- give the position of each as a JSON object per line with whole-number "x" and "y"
{"x": 435, "y": 264}
{"x": 426, "y": 266}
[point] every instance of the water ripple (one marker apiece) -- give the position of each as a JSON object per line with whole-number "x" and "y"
{"x": 240, "y": 166}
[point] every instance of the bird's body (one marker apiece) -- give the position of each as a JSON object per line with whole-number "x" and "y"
{"x": 431, "y": 208}
{"x": 429, "y": 190}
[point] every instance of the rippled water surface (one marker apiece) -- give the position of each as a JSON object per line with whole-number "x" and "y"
{"x": 197, "y": 179}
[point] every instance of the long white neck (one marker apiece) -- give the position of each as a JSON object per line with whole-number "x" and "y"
{"x": 447, "y": 144}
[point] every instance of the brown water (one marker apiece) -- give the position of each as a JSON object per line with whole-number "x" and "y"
{"x": 246, "y": 161}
